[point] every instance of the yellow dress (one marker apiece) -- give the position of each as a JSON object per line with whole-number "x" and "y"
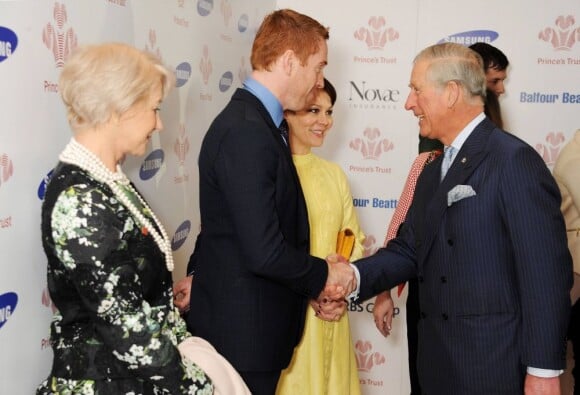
{"x": 324, "y": 362}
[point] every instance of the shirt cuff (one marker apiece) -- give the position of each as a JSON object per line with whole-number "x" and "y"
{"x": 544, "y": 373}
{"x": 354, "y": 294}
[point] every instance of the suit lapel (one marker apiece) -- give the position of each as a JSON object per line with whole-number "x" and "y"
{"x": 246, "y": 96}
{"x": 469, "y": 157}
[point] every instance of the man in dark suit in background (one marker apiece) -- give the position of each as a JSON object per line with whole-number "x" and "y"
{"x": 495, "y": 65}
{"x": 486, "y": 242}
{"x": 253, "y": 273}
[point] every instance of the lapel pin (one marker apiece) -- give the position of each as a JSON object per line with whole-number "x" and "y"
{"x": 463, "y": 160}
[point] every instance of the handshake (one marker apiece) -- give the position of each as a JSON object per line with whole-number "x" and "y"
{"x": 331, "y": 303}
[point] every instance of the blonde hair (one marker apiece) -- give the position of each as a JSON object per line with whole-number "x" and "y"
{"x": 102, "y": 80}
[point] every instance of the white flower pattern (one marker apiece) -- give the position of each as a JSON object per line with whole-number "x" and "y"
{"x": 111, "y": 283}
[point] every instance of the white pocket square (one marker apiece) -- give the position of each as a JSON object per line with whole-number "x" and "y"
{"x": 459, "y": 192}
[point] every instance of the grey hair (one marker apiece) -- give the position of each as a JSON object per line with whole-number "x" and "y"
{"x": 454, "y": 62}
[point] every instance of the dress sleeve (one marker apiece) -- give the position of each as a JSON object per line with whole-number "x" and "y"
{"x": 91, "y": 243}
{"x": 349, "y": 217}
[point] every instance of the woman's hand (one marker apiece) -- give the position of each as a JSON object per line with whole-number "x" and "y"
{"x": 327, "y": 309}
{"x": 181, "y": 294}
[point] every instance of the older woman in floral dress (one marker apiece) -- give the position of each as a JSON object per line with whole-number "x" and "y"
{"x": 116, "y": 330}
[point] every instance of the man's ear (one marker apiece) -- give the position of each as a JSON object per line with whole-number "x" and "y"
{"x": 453, "y": 91}
{"x": 288, "y": 61}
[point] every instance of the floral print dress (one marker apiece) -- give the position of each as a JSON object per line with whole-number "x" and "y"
{"x": 116, "y": 328}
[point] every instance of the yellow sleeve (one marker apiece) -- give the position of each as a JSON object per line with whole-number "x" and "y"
{"x": 349, "y": 218}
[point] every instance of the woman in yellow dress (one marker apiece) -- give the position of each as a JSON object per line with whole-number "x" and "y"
{"x": 324, "y": 362}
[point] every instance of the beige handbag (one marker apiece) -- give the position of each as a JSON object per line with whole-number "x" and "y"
{"x": 225, "y": 378}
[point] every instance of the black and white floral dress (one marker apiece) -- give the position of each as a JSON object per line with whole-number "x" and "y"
{"x": 116, "y": 328}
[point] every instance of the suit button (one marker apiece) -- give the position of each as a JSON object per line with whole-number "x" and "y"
{"x": 423, "y": 315}
{"x": 443, "y": 279}
{"x": 420, "y": 278}
{"x": 444, "y": 316}
{"x": 450, "y": 242}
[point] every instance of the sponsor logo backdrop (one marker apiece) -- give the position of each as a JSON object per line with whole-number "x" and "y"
{"x": 207, "y": 43}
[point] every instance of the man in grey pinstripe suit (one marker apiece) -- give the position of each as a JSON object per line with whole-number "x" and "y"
{"x": 486, "y": 242}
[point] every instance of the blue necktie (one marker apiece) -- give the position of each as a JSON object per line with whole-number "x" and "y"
{"x": 447, "y": 159}
{"x": 284, "y": 131}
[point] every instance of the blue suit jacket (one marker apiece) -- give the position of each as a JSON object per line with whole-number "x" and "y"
{"x": 494, "y": 270}
{"x": 253, "y": 275}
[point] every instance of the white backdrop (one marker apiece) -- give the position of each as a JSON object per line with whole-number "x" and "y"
{"x": 207, "y": 42}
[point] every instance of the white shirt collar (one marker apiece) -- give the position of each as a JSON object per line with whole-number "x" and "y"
{"x": 466, "y": 132}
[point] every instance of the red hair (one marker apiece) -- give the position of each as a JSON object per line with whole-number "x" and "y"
{"x": 282, "y": 30}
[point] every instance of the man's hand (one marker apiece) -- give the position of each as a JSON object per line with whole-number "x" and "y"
{"x": 340, "y": 274}
{"x": 541, "y": 386}
{"x": 181, "y": 294}
{"x": 383, "y": 312}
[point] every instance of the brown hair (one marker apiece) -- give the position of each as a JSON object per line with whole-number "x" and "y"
{"x": 282, "y": 30}
{"x": 492, "y": 109}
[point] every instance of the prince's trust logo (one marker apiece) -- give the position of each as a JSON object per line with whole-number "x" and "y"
{"x": 376, "y": 34}
{"x": 6, "y": 168}
{"x": 562, "y": 38}
{"x": 370, "y": 245}
{"x": 372, "y": 145}
{"x": 151, "y": 45}
{"x": 181, "y": 149}
{"x": 47, "y": 301}
{"x": 205, "y": 69}
{"x": 564, "y": 35}
{"x": 366, "y": 360}
{"x": 226, "y": 11}
{"x": 181, "y": 145}
{"x": 180, "y": 20}
{"x": 550, "y": 150}
{"x": 56, "y": 38}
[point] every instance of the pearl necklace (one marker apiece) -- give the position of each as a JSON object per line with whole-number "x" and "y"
{"x": 76, "y": 154}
